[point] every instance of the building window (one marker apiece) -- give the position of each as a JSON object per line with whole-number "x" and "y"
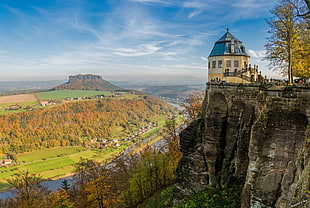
{"x": 209, "y": 64}
{"x": 245, "y": 65}
{"x": 213, "y": 64}
{"x": 228, "y": 63}
{"x": 236, "y": 63}
{"x": 220, "y": 64}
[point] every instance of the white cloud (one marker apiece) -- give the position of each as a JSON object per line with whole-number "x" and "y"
{"x": 140, "y": 50}
{"x": 197, "y": 6}
{"x": 243, "y": 9}
{"x": 204, "y": 58}
{"x": 257, "y": 54}
{"x": 251, "y": 4}
{"x": 152, "y": 2}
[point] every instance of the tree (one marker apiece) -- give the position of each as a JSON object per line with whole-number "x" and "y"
{"x": 65, "y": 185}
{"x": 30, "y": 191}
{"x": 93, "y": 185}
{"x": 60, "y": 199}
{"x": 287, "y": 49}
{"x": 192, "y": 106}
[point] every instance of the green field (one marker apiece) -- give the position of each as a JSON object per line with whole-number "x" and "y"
{"x": 54, "y": 162}
{"x": 23, "y": 105}
{"x": 63, "y": 94}
{"x": 44, "y": 154}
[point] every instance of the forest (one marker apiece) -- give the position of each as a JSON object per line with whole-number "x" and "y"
{"x": 76, "y": 123}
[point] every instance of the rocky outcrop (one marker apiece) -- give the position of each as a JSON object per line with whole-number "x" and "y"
{"x": 253, "y": 135}
{"x": 84, "y": 77}
{"x": 87, "y": 82}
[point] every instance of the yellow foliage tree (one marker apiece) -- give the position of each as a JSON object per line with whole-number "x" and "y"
{"x": 60, "y": 199}
{"x": 287, "y": 49}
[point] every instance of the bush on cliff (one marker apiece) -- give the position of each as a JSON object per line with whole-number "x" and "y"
{"x": 223, "y": 197}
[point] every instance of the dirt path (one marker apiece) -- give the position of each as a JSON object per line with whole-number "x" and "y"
{"x": 17, "y": 98}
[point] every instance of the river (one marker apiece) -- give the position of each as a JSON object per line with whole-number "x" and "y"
{"x": 52, "y": 185}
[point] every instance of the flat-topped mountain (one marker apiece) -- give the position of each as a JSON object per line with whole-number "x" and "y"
{"x": 87, "y": 82}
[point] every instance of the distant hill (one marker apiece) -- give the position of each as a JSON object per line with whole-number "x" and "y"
{"x": 173, "y": 92}
{"x": 87, "y": 82}
{"x": 24, "y": 87}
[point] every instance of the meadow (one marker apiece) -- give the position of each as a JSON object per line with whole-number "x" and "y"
{"x": 32, "y": 100}
{"x": 63, "y": 94}
{"x": 53, "y": 163}
{"x": 23, "y": 105}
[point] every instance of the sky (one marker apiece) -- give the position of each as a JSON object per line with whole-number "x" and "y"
{"x": 125, "y": 40}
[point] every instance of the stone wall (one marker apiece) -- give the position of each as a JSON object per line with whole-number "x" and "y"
{"x": 256, "y": 135}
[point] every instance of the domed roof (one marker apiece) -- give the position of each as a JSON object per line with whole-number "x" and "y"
{"x": 224, "y": 46}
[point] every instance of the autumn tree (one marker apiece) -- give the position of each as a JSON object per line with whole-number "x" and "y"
{"x": 288, "y": 44}
{"x": 93, "y": 186}
{"x": 60, "y": 199}
{"x": 172, "y": 139}
{"x": 30, "y": 191}
{"x": 192, "y": 106}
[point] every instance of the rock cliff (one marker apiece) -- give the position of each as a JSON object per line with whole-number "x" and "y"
{"x": 256, "y": 135}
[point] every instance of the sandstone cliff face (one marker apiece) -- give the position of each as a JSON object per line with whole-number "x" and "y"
{"x": 250, "y": 135}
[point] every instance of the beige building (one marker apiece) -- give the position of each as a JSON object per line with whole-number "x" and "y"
{"x": 229, "y": 62}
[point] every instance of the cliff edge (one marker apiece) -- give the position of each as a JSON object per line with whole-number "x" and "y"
{"x": 253, "y": 135}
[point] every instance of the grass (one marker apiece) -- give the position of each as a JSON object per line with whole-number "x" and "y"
{"x": 55, "y": 163}
{"x": 49, "y": 153}
{"x": 63, "y": 94}
{"x": 4, "y": 186}
{"x": 50, "y": 163}
{"x": 23, "y": 105}
{"x": 45, "y": 165}
{"x": 117, "y": 131}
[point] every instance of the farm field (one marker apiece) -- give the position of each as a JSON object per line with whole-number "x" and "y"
{"x": 23, "y": 105}
{"x": 53, "y": 163}
{"x": 63, "y": 94}
{"x": 18, "y": 98}
{"x": 32, "y": 100}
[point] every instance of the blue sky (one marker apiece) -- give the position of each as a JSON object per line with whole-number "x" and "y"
{"x": 138, "y": 40}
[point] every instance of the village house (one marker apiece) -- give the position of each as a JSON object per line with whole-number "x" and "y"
{"x": 13, "y": 107}
{"x": 43, "y": 103}
{"x": 6, "y": 162}
{"x": 46, "y": 103}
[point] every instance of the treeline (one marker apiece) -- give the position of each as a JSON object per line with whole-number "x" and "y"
{"x": 75, "y": 123}
{"x": 20, "y": 92}
{"x": 127, "y": 183}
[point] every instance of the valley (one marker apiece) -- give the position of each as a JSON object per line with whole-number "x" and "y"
{"x": 49, "y": 132}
